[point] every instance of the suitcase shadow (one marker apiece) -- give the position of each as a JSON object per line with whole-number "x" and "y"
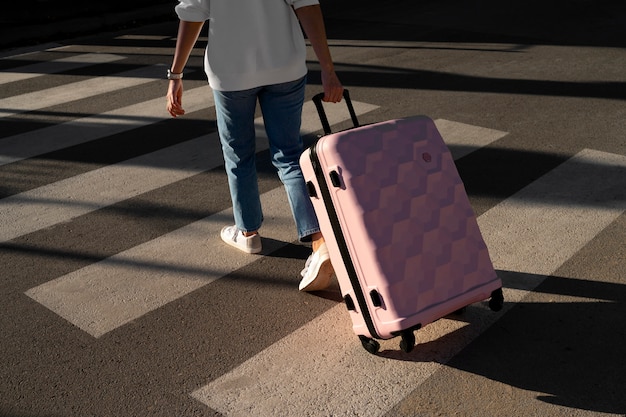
{"x": 564, "y": 340}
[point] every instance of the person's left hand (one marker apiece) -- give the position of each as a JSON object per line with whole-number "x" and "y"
{"x": 175, "y": 98}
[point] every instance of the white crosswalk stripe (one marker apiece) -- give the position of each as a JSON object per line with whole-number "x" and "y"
{"x": 11, "y": 106}
{"x": 315, "y": 368}
{"x": 85, "y": 129}
{"x": 39, "y": 69}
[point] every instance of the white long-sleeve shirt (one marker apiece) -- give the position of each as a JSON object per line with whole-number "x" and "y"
{"x": 251, "y": 42}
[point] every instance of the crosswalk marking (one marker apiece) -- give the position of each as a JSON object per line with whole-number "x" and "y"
{"x": 75, "y": 132}
{"x": 322, "y": 364}
{"x": 39, "y": 69}
{"x": 547, "y": 222}
{"x": 11, "y": 106}
{"x": 318, "y": 369}
{"x": 464, "y": 139}
{"x": 58, "y": 202}
{"x": 533, "y": 232}
{"x": 125, "y": 285}
{"x": 128, "y": 285}
{"x": 126, "y": 50}
{"x": 143, "y": 37}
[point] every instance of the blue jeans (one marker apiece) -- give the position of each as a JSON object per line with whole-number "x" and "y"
{"x": 281, "y": 105}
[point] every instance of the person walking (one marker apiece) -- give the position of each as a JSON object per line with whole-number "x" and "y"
{"x": 256, "y": 53}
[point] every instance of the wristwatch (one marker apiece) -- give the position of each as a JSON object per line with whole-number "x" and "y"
{"x": 173, "y": 76}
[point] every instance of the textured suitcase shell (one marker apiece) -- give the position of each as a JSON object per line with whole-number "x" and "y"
{"x": 413, "y": 245}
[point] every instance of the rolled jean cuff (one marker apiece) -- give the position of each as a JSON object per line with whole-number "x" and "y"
{"x": 306, "y": 236}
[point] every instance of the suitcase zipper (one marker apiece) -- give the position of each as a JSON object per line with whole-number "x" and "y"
{"x": 341, "y": 242}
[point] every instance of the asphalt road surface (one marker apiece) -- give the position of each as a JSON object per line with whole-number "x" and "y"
{"x": 119, "y": 299}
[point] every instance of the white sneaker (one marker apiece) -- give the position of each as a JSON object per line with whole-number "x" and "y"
{"x": 234, "y": 237}
{"x": 318, "y": 271}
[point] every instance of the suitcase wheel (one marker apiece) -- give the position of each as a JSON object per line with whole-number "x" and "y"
{"x": 497, "y": 300}
{"x": 408, "y": 341}
{"x": 371, "y": 345}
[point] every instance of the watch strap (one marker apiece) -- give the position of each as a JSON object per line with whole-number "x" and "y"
{"x": 174, "y": 76}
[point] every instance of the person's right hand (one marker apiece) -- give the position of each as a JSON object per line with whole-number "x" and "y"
{"x": 333, "y": 90}
{"x": 175, "y": 98}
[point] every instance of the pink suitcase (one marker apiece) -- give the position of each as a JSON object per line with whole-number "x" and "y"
{"x": 402, "y": 236}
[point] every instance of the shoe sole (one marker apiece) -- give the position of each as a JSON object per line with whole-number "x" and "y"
{"x": 323, "y": 278}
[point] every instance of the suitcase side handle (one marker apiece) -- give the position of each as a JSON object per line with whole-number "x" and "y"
{"x": 317, "y": 99}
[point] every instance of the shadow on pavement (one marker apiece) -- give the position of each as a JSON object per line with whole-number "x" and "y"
{"x": 571, "y": 352}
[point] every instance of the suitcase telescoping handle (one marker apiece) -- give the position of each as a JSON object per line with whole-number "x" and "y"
{"x": 317, "y": 99}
